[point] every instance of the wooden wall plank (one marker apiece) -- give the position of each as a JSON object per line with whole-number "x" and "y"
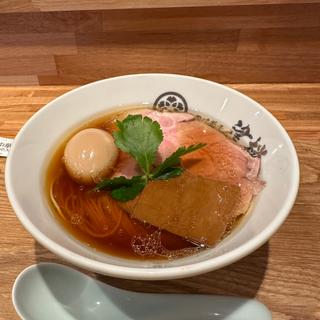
{"x": 121, "y": 61}
{"x": 305, "y": 41}
{"x": 51, "y": 22}
{"x": 28, "y": 44}
{"x": 69, "y": 5}
{"x": 210, "y": 19}
{"x": 17, "y": 6}
{"x": 240, "y": 44}
{"x": 162, "y": 20}
{"x": 56, "y": 5}
{"x": 222, "y": 67}
{"x": 31, "y": 65}
{"x": 100, "y": 43}
{"x": 251, "y": 68}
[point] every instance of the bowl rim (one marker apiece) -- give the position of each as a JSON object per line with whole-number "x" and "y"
{"x": 156, "y": 273}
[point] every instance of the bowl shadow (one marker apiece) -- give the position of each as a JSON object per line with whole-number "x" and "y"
{"x": 242, "y": 278}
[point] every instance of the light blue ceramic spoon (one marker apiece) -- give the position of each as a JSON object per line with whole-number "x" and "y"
{"x": 51, "y": 291}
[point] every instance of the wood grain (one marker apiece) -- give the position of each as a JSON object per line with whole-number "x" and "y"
{"x": 284, "y": 273}
{"x": 203, "y": 62}
{"x": 101, "y": 43}
{"x": 51, "y": 22}
{"x": 17, "y": 80}
{"x": 69, "y": 5}
{"x": 239, "y": 44}
{"x": 30, "y": 65}
{"x": 44, "y": 44}
{"x": 280, "y": 41}
{"x": 212, "y": 18}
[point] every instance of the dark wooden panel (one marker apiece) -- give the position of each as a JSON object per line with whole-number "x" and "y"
{"x": 17, "y": 6}
{"x": 240, "y": 44}
{"x": 212, "y": 18}
{"x": 304, "y": 41}
{"x": 121, "y": 61}
{"x": 224, "y": 67}
{"x": 29, "y": 65}
{"x": 51, "y": 22}
{"x": 68, "y": 5}
{"x": 36, "y": 44}
{"x": 101, "y": 43}
{"x": 250, "y": 67}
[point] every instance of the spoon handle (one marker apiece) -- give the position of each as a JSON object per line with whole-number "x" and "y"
{"x": 145, "y": 306}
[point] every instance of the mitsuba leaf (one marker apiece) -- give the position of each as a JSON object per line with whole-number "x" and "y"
{"x": 117, "y": 182}
{"x": 170, "y": 172}
{"x": 122, "y": 188}
{"x": 174, "y": 159}
{"x": 127, "y": 193}
{"x": 140, "y": 137}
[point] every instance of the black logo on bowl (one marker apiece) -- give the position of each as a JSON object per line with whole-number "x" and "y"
{"x": 171, "y": 101}
{"x": 255, "y": 149}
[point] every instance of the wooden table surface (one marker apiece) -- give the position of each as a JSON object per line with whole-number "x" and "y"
{"x": 284, "y": 273}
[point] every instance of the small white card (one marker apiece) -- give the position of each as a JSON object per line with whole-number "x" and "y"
{"x": 5, "y": 145}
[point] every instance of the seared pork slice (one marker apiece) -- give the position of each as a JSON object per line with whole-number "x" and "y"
{"x": 168, "y": 121}
{"x": 190, "y": 206}
{"x": 221, "y": 159}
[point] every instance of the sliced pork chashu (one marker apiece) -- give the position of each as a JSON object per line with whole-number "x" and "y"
{"x": 221, "y": 159}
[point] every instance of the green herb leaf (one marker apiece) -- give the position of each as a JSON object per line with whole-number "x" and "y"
{"x": 122, "y": 188}
{"x": 174, "y": 159}
{"x": 117, "y": 182}
{"x": 140, "y": 137}
{"x": 127, "y": 193}
{"x": 170, "y": 172}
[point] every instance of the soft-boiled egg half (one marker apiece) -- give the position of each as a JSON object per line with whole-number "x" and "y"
{"x": 90, "y": 155}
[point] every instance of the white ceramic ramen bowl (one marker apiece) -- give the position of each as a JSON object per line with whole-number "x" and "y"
{"x": 28, "y": 160}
